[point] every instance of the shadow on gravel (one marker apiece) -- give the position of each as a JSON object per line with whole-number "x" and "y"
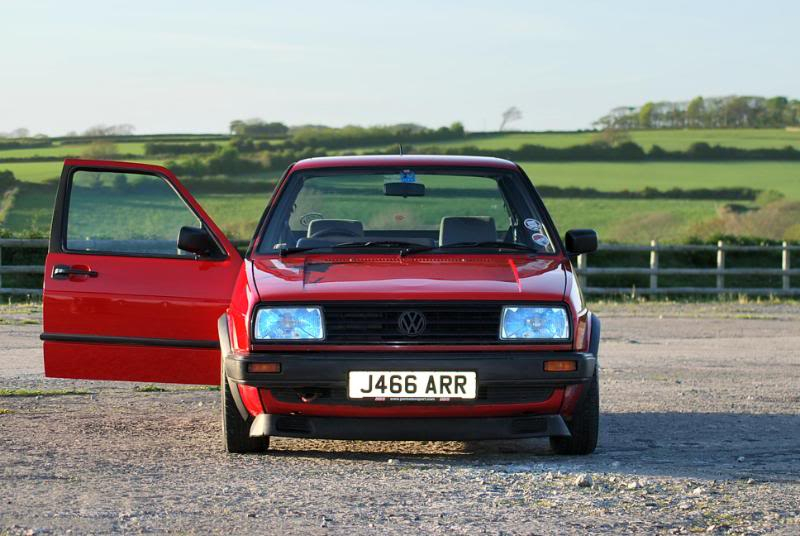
{"x": 701, "y": 445}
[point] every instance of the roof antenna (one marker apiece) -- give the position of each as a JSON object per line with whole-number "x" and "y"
{"x": 401, "y": 148}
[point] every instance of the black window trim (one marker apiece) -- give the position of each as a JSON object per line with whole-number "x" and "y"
{"x": 58, "y": 234}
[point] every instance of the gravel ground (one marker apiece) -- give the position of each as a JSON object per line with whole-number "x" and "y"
{"x": 700, "y": 433}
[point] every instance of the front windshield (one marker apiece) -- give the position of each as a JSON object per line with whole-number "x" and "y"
{"x": 435, "y": 210}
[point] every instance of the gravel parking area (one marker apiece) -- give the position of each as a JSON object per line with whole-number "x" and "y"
{"x": 700, "y": 433}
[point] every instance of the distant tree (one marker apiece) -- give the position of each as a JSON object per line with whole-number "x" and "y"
{"x": 735, "y": 111}
{"x": 646, "y": 115}
{"x": 100, "y": 150}
{"x": 256, "y": 127}
{"x": 21, "y": 132}
{"x": 236, "y": 127}
{"x": 96, "y": 131}
{"x": 509, "y": 116}
{"x": 775, "y": 111}
{"x": 695, "y": 113}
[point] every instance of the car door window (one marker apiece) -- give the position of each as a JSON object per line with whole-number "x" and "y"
{"x": 125, "y": 213}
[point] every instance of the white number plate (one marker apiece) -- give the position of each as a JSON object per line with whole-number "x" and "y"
{"x": 411, "y": 385}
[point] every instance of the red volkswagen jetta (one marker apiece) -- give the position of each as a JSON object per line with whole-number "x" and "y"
{"x": 389, "y": 297}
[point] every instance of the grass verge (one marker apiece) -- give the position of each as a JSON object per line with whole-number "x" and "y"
{"x": 42, "y": 392}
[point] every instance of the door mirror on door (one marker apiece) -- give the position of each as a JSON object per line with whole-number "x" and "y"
{"x": 580, "y": 241}
{"x": 198, "y": 241}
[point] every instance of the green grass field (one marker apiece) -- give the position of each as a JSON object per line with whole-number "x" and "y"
{"x": 616, "y": 219}
{"x": 76, "y": 150}
{"x": 38, "y": 172}
{"x": 672, "y": 140}
{"x": 781, "y": 176}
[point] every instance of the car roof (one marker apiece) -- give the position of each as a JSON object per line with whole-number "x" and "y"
{"x": 403, "y": 161}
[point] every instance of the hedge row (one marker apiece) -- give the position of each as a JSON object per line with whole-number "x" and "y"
{"x": 624, "y": 152}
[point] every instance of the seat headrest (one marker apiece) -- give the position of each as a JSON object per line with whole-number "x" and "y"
{"x": 316, "y": 226}
{"x": 456, "y": 229}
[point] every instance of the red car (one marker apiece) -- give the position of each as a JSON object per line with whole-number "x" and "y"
{"x": 381, "y": 297}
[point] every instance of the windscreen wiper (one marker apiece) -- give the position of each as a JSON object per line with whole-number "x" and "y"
{"x": 363, "y": 244}
{"x": 283, "y": 252}
{"x": 494, "y": 244}
{"x": 380, "y": 244}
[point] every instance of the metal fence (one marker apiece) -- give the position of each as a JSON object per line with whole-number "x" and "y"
{"x": 653, "y": 271}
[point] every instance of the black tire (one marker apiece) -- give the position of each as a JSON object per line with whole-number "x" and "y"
{"x": 583, "y": 426}
{"x": 235, "y": 430}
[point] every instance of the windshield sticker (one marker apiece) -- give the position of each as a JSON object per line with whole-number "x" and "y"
{"x": 540, "y": 240}
{"x": 533, "y": 225}
{"x": 408, "y": 176}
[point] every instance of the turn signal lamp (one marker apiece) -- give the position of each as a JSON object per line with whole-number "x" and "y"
{"x": 564, "y": 365}
{"x": 264, "y": 367}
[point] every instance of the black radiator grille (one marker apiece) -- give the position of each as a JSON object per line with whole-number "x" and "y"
{"x": 444, "y": 323}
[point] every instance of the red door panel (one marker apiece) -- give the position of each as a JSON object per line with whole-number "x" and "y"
{"x": 131, "y": 316}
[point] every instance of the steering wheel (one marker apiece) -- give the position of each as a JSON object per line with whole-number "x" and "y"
{"x": 336, "y": 231}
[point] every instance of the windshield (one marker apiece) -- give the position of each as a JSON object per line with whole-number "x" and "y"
{"x": 431, "y": 210}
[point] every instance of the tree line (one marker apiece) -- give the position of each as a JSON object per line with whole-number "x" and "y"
{"x": 228, "y": 160}
{"x": 347, "y": 136}
{"x": 735, "y": 111}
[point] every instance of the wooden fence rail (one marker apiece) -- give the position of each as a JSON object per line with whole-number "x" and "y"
{"x": 785, "y": 272}
{"x": 720, "y": 271}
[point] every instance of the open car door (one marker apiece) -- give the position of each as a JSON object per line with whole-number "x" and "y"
{"x": 122, "y": 301}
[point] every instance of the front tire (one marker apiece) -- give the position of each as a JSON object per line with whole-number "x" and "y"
{"x": 235, "y": 430}
{"x": 583, "y": 426}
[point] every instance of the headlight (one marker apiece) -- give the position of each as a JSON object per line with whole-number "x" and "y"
{"x": 548, "y": 323}
{"x": 288, "y": 323}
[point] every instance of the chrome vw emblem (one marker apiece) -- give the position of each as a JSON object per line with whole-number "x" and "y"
{"x": 411, "y": 323}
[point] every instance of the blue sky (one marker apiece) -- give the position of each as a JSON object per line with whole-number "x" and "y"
{"x": 174, "y": 66}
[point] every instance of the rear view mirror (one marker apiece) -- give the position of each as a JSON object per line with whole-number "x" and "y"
{"x": 198, "y": 241}
{"x": 579, "y": 241}
{"x": 404, "y": 189}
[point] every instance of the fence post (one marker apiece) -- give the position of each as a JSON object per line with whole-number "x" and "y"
{"x": 653, "y": 264}
{"x": 582, "y": 266}
{"x": 1, "y": 264}
{"x": 785, "y": 265}
{"x": 720, "y": 264}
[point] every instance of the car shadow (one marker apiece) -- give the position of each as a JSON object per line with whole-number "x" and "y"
{"x": 691, "y": 445}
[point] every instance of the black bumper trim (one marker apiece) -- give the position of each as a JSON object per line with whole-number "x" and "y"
{"x": 408, "y": 429}
{"x": 329, "y": 369}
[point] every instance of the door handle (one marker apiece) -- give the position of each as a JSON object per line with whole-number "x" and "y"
{"x": 62, "y": 271}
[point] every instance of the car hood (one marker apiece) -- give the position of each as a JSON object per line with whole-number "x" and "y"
{"x": 372, "y": 277}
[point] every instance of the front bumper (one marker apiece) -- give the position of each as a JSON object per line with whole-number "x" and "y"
{"x": 455, "y": 420}
{"x": 408, "y": 429}
{"x": 330, "y": 369}
{"x": 463, "y": 420}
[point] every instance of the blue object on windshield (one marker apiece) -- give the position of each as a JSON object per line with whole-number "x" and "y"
{"x": 408, "y": 176}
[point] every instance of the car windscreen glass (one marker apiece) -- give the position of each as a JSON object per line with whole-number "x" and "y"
{"x": 438, "y": 209}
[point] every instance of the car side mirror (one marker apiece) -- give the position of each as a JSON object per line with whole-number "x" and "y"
{"x": 198, "y": 241}
{"x": 579, "y": 241}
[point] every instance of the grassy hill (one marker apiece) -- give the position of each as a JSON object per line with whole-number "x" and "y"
{"x": 627, "y": 220}
{"x": 672, "y": 140}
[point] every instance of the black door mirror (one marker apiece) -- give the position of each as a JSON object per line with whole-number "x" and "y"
{"x": 197, "y": 241}
{"x": 579, "y": 241}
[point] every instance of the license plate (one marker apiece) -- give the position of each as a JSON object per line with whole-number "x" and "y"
{"x": 411, "y": 385}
